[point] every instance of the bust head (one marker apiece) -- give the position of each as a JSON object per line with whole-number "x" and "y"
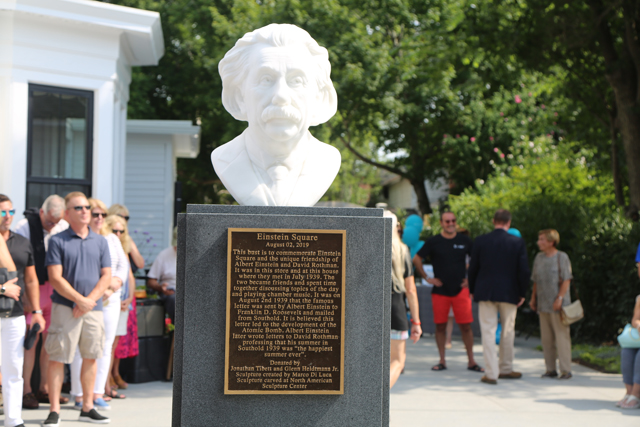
{"x": 278, "y": 79}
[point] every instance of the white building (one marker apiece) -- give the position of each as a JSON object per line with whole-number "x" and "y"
{"x": 153, "y": 146}
{"x": 65, "y": 71}
{"x": 399, "y": 192}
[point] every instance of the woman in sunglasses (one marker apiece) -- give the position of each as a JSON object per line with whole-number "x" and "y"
{"x": 110, "y": 309}
{"x": 126, "y": 323}
{"x": 136, "y": 259}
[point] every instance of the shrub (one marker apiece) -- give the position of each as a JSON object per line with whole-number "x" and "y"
{"x": 606, "y": 276}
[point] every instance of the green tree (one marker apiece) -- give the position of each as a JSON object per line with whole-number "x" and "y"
{"x": 413, "y": 98}
{"x": 596, "y": 46}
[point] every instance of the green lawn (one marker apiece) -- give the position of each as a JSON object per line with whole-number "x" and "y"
{"x": 603, "y": 358}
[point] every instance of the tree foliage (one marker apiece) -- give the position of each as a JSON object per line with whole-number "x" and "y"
{"x": 550, "y": 186}
{"x": 594, "y": 47}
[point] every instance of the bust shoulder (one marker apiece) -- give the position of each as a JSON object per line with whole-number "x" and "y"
{"x": 325, "y": 157}
{"x": 228, "y": 152}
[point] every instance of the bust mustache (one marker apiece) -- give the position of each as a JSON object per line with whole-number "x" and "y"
{"x": 277, "y": 78}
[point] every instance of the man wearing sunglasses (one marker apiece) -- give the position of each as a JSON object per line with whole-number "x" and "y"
{"x": 448, "y": 252}
{"x": 12, "y": 328}
{"x": 79, "y": 266}
{"x": 38, "y": 226}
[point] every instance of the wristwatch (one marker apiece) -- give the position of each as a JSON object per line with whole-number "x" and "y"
{"x": 560, "y": 298}
{"x": 36, "y": 312}
{"x": 2, "y": 290}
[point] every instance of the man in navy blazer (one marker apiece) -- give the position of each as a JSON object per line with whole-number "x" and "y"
{"x": 498, "y": 280}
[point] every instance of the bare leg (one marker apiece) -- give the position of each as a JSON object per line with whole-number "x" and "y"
{"x": 449, "y": 332}
{"x": 635, "y": 390}
{"x": 441, "y": 336}
{"x": 55, "y": 377}
{"x": 467, "y": 338}
{"x": 116, "y": 367}
{"x": 44, "y": 365}
{"x": 88, "y": 380}
{"x": 398, "y": 357}
{"x": 113, "y": 358}
{"x": 27, "y": 370}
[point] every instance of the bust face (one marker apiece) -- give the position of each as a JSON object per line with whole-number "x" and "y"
{"x": 280, "y": 93}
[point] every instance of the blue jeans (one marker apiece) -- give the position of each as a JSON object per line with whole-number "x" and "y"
{"x": 630, "y": 363}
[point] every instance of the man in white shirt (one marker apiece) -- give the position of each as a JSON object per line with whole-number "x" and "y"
{"x": 162, "y": 276}
{"x": 51, "y": 218}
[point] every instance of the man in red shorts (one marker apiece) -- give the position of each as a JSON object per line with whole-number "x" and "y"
{"x": 448, "y": 253}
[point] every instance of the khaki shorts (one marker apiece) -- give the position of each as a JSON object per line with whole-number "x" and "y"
{"x": 67, "y": 333}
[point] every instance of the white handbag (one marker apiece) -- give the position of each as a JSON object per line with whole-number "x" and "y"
{"x": 573, "y": 312}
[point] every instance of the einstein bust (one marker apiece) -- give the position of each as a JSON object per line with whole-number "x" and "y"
{"x": 278, "y": 79}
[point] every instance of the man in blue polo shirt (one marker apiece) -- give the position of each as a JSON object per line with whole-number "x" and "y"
{"x": 79, "y": 267}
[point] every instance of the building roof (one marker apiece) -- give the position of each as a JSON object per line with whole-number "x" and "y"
{"x": 185, "y": 135}
{"x": 140, "y": 28}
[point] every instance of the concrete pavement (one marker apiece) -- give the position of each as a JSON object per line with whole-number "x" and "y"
{"x": 456, "y": 397}
{"x": 146, "y": 405}
{"x": 421, "y": 397}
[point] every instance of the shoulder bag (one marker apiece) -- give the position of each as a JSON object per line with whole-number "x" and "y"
{"x": 6, "y": 303}
{"x": 629, "y": 338}
{"x": 573, "y": 312}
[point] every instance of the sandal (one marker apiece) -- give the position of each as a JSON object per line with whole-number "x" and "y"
{"x": 43, "y": 397}
{"x": 621, "y": 401}
{"x": 632, "y": 402}
{"x": 113, "y": 394}
{"x": 121, "y": 384}
{"x": 439, "y": 367}
{"x": 475, "y": 368}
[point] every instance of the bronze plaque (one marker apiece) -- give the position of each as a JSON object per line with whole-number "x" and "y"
{"x": 285, "y": 311}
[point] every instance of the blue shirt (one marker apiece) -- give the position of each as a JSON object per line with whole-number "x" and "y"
{"x": 81, "y": 261}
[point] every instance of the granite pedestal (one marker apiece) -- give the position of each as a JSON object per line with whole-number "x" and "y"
{"x": 199, "y": 357}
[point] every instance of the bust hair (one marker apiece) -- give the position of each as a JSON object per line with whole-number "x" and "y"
{"x": 54, "y": 205}
{"x": 4, "y": 198}
{"x": 551, "y": 235}
{"x": 234, "y": 68}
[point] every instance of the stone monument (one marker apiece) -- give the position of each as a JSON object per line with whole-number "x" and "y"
{"x": 282, "y": 309}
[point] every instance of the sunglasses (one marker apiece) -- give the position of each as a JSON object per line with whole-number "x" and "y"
{"x": 96, "y": 215}
{"x": 449, "y": 221}
{"x": 126, "y": 218}
{"x": 11, "y": 212}
{"x": 79, "y": 208}
{"x": 117, "y": 231}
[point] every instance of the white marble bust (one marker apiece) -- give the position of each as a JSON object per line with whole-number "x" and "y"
{"x": 278, "y": 79}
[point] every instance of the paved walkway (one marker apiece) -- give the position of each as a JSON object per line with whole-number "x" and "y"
{"x": 421, "y": 397}
{"x": 146, "y": 405}
{"x": 456, "y": 397}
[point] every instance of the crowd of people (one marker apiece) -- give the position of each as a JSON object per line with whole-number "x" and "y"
{"x": 494, "y": 271}
{"x": 67, "y": 277}
{"x": 67, "y": 274}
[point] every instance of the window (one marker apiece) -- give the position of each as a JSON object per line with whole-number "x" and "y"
{"x": 60, "y": 141}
